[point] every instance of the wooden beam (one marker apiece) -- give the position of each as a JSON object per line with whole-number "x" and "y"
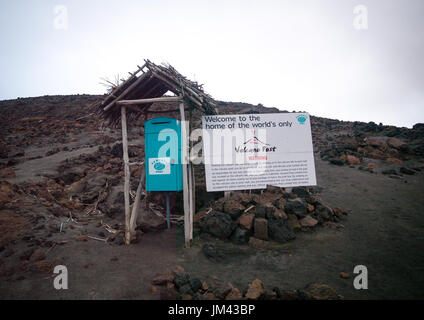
{"x": 184, "y": 159}
{"x": 137, "y": 82}
{"x": 175, "y": 87}
{"x": 149, "y": 100}
{"x": 112, "y": 94}
{"x": 127, "y": 175}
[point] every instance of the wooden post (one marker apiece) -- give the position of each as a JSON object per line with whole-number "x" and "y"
{"x": 134, "y": 211}
{"x": 127, "y": 175}
{"x": 184, "y": 159}
{"x": 191, "y": 178}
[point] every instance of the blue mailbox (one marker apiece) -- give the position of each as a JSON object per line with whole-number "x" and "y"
{"x": 164, "y": 171}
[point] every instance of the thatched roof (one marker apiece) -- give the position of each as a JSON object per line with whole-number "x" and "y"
{"x": 153, "y": 81}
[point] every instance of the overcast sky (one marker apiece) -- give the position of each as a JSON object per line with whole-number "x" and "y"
{"x": 305, "y": 55}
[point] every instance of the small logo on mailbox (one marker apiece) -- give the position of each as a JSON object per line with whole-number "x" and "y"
{"x": 159, "y": 166}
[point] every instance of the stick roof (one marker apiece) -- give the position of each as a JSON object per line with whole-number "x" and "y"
{"x": 153, "y": 81}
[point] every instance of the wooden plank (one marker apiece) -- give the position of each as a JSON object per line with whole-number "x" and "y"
{"x": 184, "y": 158}
{"x": 127, "y": 175}
{"x": 149, "y": 100}
{"x": 134, "y": 212}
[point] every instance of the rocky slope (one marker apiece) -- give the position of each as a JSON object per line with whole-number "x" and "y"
{"x": 61, "y": 181}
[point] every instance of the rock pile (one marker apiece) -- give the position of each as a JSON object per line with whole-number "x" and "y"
{"x": 179, "y": 285}
{"x": 276, "y": 214}
{"x": 369, "y": 146}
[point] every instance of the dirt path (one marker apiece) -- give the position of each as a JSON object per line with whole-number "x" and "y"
{"x": 385, "y": 232}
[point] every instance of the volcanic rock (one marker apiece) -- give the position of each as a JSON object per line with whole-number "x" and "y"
{"x": 256, "y": 290}
{"x": 261, "y": 228}
{"x": 234, "y": 294}
{"x": 240, "y": 236}
{"x": 246, "y": 220}
{"x": 280, "y": 231}
{"x": 233, "y": 208}
{"x": 218, "y": 224}
{"x": 308, "y": 221}
{"x": 297, "y": 206}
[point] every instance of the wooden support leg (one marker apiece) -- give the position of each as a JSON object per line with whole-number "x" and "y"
{"x": 191, "y": 198}
{"x": 127, "y": 176}
{"x": 184, "y": 159}
{"x": 191, "y": 177}
{"x": 134, "y": 212}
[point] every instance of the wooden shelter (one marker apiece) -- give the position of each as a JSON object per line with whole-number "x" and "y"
{"x": 132, "y": 99}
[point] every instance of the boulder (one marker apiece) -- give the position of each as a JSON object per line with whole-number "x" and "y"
{"x": 246, "y": 220}
{"x": 218, "y": 224}
{"x": 261, "y": 228}
{"x": 256, "y": 290}
{"x": 279, "y": 214}
{"x": 234, "y": 294}
{"x": 240, "y": 236}
{"x": 308, "y": 221}
{"x": 195, "y": 284}
{"x": 293, "y": 222}
{"x": 280, "y": 203}
{"x": 117, "y": 150}
{"x": 297, "y": 206}
{"x": 264, "y": 210}
{"x": 352, "y": 160}
{"x": 321, "y": 292}
{"x": 114, "y": 202}
{"x": 233, "y": 208}
{"x": 243, "y": 198}
{"x": 300, "y": 191}
{"x": 279, "y": 230}
{"x": 94, "y": 184}
{"x": 396, "y": 143}
{"x": 164, "y": 278}
{"x": 181, "y": 279}
{"x": 407, "y": 171}
{"x": 323, "y": 212}
{"x": 151, "y": 219}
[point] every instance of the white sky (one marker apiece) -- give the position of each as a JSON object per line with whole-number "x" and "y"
{"x": 302, "y": 55}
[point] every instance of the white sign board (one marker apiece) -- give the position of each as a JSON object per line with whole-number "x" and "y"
{"x": 251, "y": 151}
